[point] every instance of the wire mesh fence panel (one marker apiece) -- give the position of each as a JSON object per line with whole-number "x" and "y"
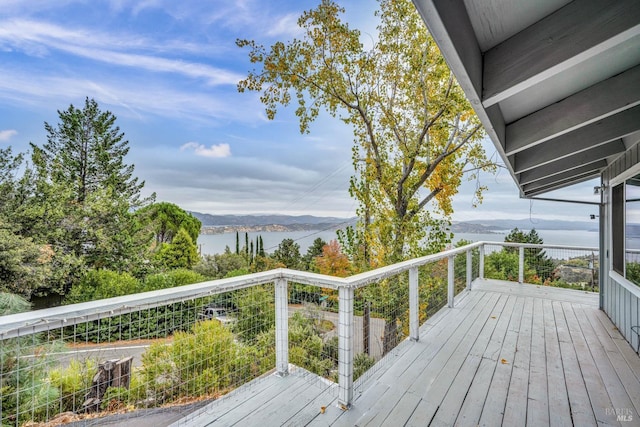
{"x": 380, "y": 322}
{"x": 432, "y": 289}
{"x": 313, "y": 331}
{"x": 176, "y": 353}
{"x": 548, "y": 266}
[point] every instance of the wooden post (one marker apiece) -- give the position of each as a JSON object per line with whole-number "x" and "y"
{"x": 112, "y": 373}
{"x": 282, "y": 328}
{"x": 122, "y": 373}
{"x": 345, "y": 347}
{"x": 521, "y": 265}
{"x": 469, "y": 269}
{"x": 451, "y": 281}
{"x": 414, "y": 305}
{"x": 481, "y": 263}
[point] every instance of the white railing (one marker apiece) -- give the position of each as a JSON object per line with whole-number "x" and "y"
{"x": 37, "y": 326}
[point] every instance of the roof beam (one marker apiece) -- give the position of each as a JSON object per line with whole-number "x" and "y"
{"x": 565, "y": 166}
{"x": 560, "y": 179}
{"x": 575, "y": 180}
{"x": 591, "y": 167}
{"x": 578, "y": 31}
{"x": 592, "y": 104}
{"x": 582, "y": 139}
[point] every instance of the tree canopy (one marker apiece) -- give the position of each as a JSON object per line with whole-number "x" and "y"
{"x": 166, "y": 219}
{"x": 86, "y": 151}
{"x": 415, "y": 134}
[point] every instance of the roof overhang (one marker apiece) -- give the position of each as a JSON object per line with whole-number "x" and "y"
{"x": 555, "y": 83}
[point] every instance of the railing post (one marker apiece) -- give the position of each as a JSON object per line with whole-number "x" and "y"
{"x": 521, "y": 265}
{"x": 345, "y": 346}
{"x": 451, "y": 281}
{"x": 414, "y": 305}
{"x": 481, "y": 263}
{"x": 469, "y": 270}
{"x": 282, "y": 328}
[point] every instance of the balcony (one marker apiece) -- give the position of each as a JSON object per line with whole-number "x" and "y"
{"x": 450, "y": 347}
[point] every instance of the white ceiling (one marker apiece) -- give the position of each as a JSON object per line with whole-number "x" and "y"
{"x": 555, "y": 83}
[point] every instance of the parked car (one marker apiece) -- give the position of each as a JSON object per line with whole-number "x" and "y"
{"x": 218, "y": 313}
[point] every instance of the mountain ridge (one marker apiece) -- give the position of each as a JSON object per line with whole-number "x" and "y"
{"x": 279, "y": 222}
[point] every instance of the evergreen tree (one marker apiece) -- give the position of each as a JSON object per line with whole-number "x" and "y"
{"x": 23, "y": 264}
{"x": 315, "y": 250}
{"x": 260, "y": 247}
{"x": 534, "y": 257}
{"x": 288, "y": 253}
{"x": 79, "y": 196}
{"x": 165, "y": 219}
{"x": 181, "y": 253}
{"x": 237, "y": 243}
{"x": 9, "y": 165}
{"x": 86, "y": 151}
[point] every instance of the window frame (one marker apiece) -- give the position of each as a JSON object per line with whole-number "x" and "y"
{"x": 613, "y": 274}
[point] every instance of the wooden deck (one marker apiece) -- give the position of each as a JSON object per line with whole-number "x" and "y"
{"x": 507, "y": 354}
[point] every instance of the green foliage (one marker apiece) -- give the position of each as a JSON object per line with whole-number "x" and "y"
{"x": 171, "y": 279}
{"x": 504, "y": 265}
{"x": 315, "y": 250}
{"x": 255, "y": 312}
{"x": 632, "y": 272}
{"x": 205, "y": 361}
{"x": 24, "y": 389}
{"x": 181, "y": 253}
{"x": 361, "y": 364}
{"x": 73, "y": 383}
{"x": 9, "y": 190}
{"x": 219, "y": 266}
{"x": 154, "y": 323}
{"x": 416, "y": 135}
{"x": 101, "y": 284}
{"x": 24, "y": 265}
{"x": 12, "y": 303}
{"x": 91, "y": 150}
{"x": 288, "y": 253}
{"x": 166, "y": 219}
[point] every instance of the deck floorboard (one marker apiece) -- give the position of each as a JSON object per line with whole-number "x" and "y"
{"x": 507, "y": 354}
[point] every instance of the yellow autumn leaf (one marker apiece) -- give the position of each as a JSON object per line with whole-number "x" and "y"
{"x": 504, "y": 361}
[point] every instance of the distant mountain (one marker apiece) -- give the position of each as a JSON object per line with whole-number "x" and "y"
{"x": 528, "y": 224}
{"x": 265, "y": 220}
{"x": 471, "y": 228}
{"x": 229, "y": 223}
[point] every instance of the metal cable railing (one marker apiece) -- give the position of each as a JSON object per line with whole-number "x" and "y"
{"x": 200, "y": 341}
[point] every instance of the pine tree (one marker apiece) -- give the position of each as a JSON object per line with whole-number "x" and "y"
{"x": 80, "y": 172}
{"x": 86, "y": 150}
{"x": 260, "y": 247}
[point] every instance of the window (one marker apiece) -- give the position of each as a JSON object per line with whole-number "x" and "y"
{"x": 625, "y": 227}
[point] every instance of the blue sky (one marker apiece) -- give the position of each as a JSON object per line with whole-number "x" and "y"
{"x": 168, "y": 70}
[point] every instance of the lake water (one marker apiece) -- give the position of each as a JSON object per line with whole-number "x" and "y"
{"x": 215, "y": 243}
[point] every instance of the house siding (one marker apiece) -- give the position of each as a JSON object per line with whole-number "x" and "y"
{"x": 617, "y": 301}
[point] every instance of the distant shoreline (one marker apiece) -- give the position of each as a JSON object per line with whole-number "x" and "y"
{"x": 267, "y": 228}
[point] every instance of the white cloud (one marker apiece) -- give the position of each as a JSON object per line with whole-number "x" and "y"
{"x": 38, "y": 38}
{"x": 136, "y": 97}
{"x": 5, "y": 135}
{"x": 215, "y": 151}
{"x": 287, "y": 25}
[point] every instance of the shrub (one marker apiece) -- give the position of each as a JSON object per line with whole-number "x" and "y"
{"x": 100, "y": 284}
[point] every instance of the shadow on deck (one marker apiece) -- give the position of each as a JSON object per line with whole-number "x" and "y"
{"x": 507, "y": 354}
